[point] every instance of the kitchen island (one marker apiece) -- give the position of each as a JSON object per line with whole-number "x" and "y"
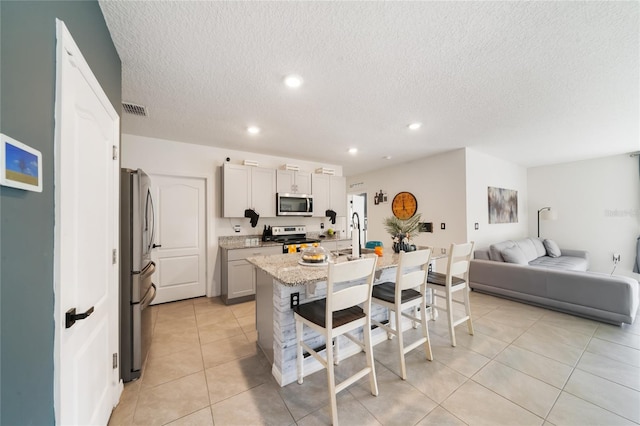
{"x": 278, "y": 277}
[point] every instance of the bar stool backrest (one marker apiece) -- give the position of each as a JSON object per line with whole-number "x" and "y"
{"x": 459, "y": 259}
{"x": 352, "y": 295}
{"x": 415, "y": 278}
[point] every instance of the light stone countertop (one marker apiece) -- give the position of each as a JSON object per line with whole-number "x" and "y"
{"x": 286, "y": 269}
{"x": 234, "y": 244}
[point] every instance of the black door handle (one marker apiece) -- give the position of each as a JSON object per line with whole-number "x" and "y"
{"x": 72, "y": 317}
{"x": 156, "y": 245}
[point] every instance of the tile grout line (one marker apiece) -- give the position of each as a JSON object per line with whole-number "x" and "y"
{"x": 603, "y": 378}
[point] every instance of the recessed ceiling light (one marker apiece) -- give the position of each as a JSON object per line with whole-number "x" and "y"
{"x": 293, "y": 81}
{"x": 254, "y": 130}
{"x": 353, "y": 151}
{"x": 414, "y": 126}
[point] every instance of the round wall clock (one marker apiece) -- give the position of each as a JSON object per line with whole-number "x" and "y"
{"x": 404, "y": 205}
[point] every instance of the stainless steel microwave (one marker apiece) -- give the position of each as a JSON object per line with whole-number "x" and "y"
{"x": 294, "y": 205}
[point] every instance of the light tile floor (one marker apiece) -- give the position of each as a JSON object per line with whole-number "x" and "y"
{"x": 524, "y": 365}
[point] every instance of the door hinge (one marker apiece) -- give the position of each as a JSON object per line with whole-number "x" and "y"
{"x": 115, "y": 360}
{"x": 115, "y": 152}
{"x": 114, "y": 256}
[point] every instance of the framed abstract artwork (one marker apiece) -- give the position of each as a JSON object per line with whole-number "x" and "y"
{"x": 503, "y": 205}
{"x": 20, "y": 165}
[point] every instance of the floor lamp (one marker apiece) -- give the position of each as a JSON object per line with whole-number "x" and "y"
{"x": 545, "y": 213}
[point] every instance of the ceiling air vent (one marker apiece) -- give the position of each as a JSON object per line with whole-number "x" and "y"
{"x": 134, "y": 109}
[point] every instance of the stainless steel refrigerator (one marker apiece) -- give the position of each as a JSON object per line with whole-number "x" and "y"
{"x": 137, "y": 232}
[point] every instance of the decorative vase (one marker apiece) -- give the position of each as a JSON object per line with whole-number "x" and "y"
{"x": 398, "y": 247}
{"x": 401, "y": 243}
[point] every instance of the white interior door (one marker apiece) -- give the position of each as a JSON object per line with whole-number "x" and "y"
{"x": 180, "y": 256}
{"x": 87, "y": 384}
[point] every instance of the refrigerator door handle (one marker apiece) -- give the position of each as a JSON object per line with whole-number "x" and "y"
{"x": 150, "y": 219}
{"x": 148, "y": 298}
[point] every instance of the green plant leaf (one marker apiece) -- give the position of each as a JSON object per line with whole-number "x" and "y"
{"x": 395, "y": 226}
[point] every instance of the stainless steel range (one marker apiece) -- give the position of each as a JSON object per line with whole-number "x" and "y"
{"x": 293, "y": 238}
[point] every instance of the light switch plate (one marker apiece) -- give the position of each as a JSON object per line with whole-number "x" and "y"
{"x": 442, "y": 226}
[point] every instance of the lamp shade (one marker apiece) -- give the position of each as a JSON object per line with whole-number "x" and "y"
{"x": 548, "y": 215}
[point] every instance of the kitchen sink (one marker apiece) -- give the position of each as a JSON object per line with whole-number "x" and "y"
{"x": 347, "y": 252}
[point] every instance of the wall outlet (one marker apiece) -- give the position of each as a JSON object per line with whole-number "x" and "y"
{"x": 443, "y": 226}
{"x": 295, "y": 299}
{"x": 322, "y": 225}
{"x": 236, "y": 228}
{"x": 616, "y": 257}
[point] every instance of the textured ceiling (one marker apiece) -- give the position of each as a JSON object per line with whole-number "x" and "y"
{"x": 531, "y": 82}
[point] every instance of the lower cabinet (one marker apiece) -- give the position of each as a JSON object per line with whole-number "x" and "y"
{"x": 238, "y": 275}
{"x": 241, "y": 279}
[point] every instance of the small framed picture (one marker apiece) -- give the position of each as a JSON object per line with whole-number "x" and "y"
{"x": 20, "y": 165}
{"x": 380, "y": 198}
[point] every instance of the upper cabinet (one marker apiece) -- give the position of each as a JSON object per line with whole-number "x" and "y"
{"x": 329, "y": 193}
{"x": 292, "y": 182}
{"x": 246, "y": 187}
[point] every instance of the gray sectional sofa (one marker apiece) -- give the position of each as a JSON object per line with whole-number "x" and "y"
{"x": 527, "y": 271}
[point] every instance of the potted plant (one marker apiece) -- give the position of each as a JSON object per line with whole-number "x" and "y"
{"x": 402, "y": 230}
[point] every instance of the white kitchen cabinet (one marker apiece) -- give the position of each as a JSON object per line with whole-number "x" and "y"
{"x": 263, "y": 191}
{"x": 338, "y": 195}
{"x": 241, "y": 280}
{"x": 238, "y": 275}
{"x": 329, "y": 193}
{"x": 246, "y": 187}
{"x": 320, "y": 191}
{"x": 292, "y": 182}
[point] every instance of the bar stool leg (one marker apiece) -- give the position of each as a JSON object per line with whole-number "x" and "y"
{"x": 467, "y": 307}
{"x": 425, "y": 334}
{"x": 403, "y": 367}
{"x": 452, "y": 331}
{"x": 331, "y": 383}
{"x": 368, "y": 347}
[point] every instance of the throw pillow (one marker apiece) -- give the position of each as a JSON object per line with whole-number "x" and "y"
{"x": 552, "y": 248}
{"x": 514, "y": 255}
{"x": 495, "y": 250}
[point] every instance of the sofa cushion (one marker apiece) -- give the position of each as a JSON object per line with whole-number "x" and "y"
{"x": 514, "y": 255}
{"x": 552, "y": 248}
{"x": 540, "y": 249}
{"x": 528, "y": 248}
{"x": 568, "y": 263}
{"x": 495, "y": 250}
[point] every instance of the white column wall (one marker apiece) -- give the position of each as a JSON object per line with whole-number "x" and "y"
{"x": 484, "y": 171}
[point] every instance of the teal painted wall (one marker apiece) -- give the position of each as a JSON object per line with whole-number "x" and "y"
{"x": 27, "y": 106}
